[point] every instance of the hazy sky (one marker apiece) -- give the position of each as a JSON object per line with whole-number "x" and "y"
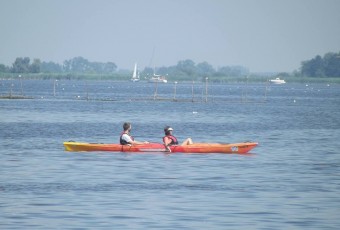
{"x": 263, "y": 35}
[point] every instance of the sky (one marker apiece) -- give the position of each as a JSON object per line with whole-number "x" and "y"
{"x": 261, "y": 35}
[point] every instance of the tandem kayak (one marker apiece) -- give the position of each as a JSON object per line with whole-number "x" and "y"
{"x": 158, "y": 147}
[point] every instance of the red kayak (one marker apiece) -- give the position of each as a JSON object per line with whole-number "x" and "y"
{"x": 158, "y": 147}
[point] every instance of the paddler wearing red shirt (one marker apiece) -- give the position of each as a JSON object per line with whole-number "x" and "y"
{"x": 169, "y": 139}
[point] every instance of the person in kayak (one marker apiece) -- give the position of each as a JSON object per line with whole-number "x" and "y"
{"x": 169, "y": 139}
{"x": 126, "y": 138}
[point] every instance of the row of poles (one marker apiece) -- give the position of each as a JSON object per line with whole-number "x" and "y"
{"x": 155, "y": 96}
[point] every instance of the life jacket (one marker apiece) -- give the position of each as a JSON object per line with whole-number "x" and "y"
{"x": 173, "y": 140}
{"x": 123, "y": 142}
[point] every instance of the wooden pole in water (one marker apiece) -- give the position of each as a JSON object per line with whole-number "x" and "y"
{"x": 22, "y": 90}
{"x": 206, "y": 89}
{"x": 192, "y": 91}
{"x": 245, "y": 91}
{"x": 175, "y": 91}
{"x": 54, "y": 82}
{"x": 10, "y": 92}
{"x": 265, "y": 92}
{"x": 156, "y": 89}
{"x": 87, "y": 91}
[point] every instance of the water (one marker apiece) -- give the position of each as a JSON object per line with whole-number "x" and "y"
{"x": 290, "y": 181}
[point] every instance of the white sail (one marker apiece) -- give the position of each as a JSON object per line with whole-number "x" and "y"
{"x": 135, "y": 75}
{"x": 135, "y": 71}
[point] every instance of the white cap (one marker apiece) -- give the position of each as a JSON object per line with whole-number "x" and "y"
{"x": 168, "y": 128}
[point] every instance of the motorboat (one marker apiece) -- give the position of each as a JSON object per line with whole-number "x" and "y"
{"x": 277, "y": 81}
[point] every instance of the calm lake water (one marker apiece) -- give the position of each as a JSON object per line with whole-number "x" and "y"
{"x": 290, "y": 181}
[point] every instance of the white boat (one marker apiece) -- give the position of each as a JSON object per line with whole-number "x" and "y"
{"x": 158, "y": 79}
{"x": 135, "y": 75}
{"x": 277, "y": 81}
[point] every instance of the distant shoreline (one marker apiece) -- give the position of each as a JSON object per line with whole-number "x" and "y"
{"x": 171, "y": 79}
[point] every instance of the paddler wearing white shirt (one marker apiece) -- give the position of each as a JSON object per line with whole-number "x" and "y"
{"x": 126, "y": 138}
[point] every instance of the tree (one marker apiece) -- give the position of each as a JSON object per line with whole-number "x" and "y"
{"x": 187, "y": 67}
{"x": 82, "y": 65}
{"x": 76, "y": 65}
{"x": 313, "y": 68}
{"x": 21, "y": 65}
{"x": 35, "y": 66}
{"x": 51, "y": 67}
{"x": 110, "y": 67}
{"x": 328, "y": 66}
{"x": 205, "y": 69}
{"x": 233, "y": 71}
{"x": 3, "y": 68}
{"x": 332, "y": 64}
{"x": 147, "y": 71}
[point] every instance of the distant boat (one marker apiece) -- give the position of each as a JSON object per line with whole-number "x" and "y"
{"x": 277, "y": 81}
{"x": 157, "y": 79}
{"x": 135, "y": 75}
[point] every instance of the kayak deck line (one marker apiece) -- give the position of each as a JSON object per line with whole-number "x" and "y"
{"x": 243, "y": 147}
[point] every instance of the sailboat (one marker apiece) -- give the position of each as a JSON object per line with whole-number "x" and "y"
{"x": 157, "y": 78}
{"x": 135, "y": 75}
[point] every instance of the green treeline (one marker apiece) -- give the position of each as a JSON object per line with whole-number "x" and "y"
{"x": 74, "y": 65}
{"x": 80, "y": 67}
{"x": 324, "y": 67}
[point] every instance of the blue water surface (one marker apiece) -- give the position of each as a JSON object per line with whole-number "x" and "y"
{"x": 290, "y": 181}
